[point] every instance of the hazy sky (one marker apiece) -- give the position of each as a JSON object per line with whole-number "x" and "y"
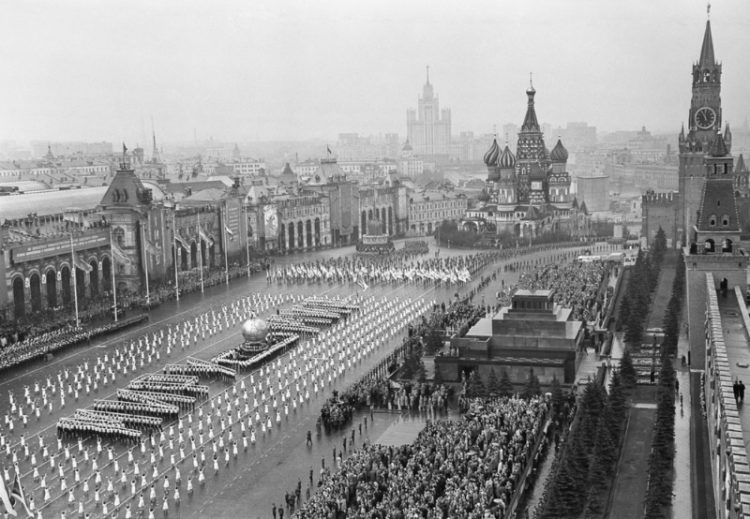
{"x": 267, "y": 70}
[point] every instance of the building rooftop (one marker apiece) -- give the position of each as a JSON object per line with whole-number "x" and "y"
{"x": 50, "y": 202}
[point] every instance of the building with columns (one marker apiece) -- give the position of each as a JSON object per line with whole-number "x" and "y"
{"x": 117, "y": 237}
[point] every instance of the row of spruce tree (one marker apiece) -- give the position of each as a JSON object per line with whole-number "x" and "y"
{"x": 584, "y": 469}
{"x": 661, "y": 459}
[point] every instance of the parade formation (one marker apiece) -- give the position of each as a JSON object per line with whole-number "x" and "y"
{"x": 147, "y": 440}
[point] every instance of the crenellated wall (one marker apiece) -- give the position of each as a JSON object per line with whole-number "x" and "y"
{"x": 729, "y": 461}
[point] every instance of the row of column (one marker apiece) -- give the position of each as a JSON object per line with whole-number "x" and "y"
{"x": 54, "y": 288}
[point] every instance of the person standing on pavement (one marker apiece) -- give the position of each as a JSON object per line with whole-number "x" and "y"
{"x": 742, "y": 392}
{"x": 736, "y": 391}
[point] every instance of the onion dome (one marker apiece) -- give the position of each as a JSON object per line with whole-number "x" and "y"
{"x": 490, "y": 158}
{"x": 255, "y": 330}
{"x": 559, "y": 153}
{"x": 507, "y": 160}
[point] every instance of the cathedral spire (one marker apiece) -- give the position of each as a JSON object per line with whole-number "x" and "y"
{"x": 530, "y": 122}
{"x": 707, "y": 49}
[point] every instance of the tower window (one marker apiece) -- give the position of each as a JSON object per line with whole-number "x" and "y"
{"x": 712, "y": 220}
{"x": 725, "y": 220}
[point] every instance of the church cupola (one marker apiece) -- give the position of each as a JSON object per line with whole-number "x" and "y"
{"x": 490, "y": 160}
{"x": 559, "y": 153}
{"x": 507, "y": 160}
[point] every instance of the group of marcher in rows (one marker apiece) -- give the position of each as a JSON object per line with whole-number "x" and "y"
{"x": 328, "y": 357}
{"x": 464, "y": 469}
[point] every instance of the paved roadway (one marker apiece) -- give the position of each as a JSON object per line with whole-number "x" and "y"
{"x": 249, "y": 486}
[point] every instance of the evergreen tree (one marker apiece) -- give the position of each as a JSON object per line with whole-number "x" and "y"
{"x": 493, "y": 384}
{"x": 634, "y": 328}
{"x": 476, "y": 387}
{"x": 506, "y": 386}
{"x": 570, "y": 485}
{"x": 558, "y": 400}
{"x": 532, "y": 388}
{"x": 605, "y": 450}
{"x": 628, "y": 374}
{"x": 618, "y": 405}
{"x": 624, "y": 314}
{"x": 592, "y": 402}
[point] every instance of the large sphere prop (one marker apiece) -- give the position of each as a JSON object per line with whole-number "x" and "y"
{"x": 254, "y": 331}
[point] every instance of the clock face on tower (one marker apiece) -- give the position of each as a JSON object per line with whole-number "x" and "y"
{"x": 705, "y": 118}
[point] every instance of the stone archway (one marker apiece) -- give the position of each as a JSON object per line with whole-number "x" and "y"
{"x": 35, "y": 285}
{"x": 282, "y": 237}
{"x": 309, "y": 233}
{"x": 193, "y": 254}
{"x": 429, "y": 228}
{"x": 292, "y": 244}
{"x": 80, "y": 285}
{"x": 19, "y": 303}
{"x": 65, "y": 280}
{"x": 204, "y": 260}
{"x": 211, "y": 252}
{"x": 183, "y": 258}
{"x": 106, "y": 274}
{"x": 317, "y": 232}
{"x": 390, "y": 220}
{"x": 50, "y": 279}
{"x": 300, "y": 235}
{"x": 94, "y": 278}
{"x": 363, "y": 227}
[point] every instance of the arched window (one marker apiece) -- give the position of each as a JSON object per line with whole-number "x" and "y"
{"x": 725, "y": 220}
{"x": 712, "y": 220}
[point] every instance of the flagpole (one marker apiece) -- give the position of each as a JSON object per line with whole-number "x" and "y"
{"x": 200, "y": 247}
{"x": 247, "y": 242}
{"x": 114, "y": 285}
{"x": 224, "y": 234}
{"x": 75, "y": 278}
{"x": 145, "y": 262}
{"x": 174, "y": 246}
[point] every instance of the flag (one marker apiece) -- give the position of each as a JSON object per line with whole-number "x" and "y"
{"x": 5, "y": 498}
{"x": 328, "y": 149}
{"x": 181, "y": 241}
{"x": 205, "y": 237}
{"x": 120, "y": 256}
{"x": 363, "y": 284}
{"x": 228, "y": 230}
{"x": 82, "y": 265}
{"x": 17, "y": 492}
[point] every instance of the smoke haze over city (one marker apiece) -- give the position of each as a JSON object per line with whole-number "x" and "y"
{"x": 266, "y": 70}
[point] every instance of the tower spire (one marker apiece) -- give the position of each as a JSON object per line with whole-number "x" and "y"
{"x": 707, "y": 48}
{"x": 428, "y": 74}
{"x": 530, "y": 122}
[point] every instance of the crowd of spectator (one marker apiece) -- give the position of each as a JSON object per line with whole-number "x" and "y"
{"x": 467, "y": 468}
{"x": 576, "y": 285}
{"x": 34, "y": 346}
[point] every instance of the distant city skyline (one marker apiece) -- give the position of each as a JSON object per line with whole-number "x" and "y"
{"x": 294, "y": 71}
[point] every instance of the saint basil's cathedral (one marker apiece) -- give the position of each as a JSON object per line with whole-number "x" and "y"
{"x": 530, "y": 190}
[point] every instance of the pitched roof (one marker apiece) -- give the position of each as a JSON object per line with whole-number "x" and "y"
{"x": 49, "y": 202}
{"x": 124, "y": 190}
{"x": 179, "y": 187}
{"x": 740, "y": 167}
{"x": 718, "y": 201}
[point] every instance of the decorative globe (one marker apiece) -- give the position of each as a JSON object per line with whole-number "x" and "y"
{"x": 255, "y": 329}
